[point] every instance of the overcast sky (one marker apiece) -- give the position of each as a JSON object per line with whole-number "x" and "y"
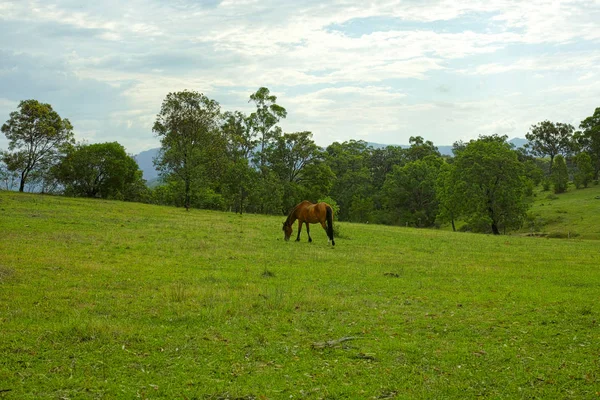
{"x": 379, "y": 71}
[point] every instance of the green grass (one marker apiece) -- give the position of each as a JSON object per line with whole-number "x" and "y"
{"x": 575, "y": 213}
{"x": 104, "y": 299}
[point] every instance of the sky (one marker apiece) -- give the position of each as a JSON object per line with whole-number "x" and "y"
{"x": 379, "y": 71}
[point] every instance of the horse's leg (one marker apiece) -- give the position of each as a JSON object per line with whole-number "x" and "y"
{"x": 308, "y": 232}
{"x": 299, "y": 229}
{"x": 325, "y": 229}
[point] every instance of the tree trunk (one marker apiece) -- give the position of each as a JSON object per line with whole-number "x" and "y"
{"x": 23, "y": 179}
{"x": 187, "y": 195}
{"x": 495, "y": 230}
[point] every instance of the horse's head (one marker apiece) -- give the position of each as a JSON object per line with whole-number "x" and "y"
{"x": 287, "y": 231}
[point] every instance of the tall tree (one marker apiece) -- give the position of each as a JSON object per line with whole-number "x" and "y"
{"x": 420, "y": 148}
{"x": 36, "y": 135}
{"x": 299, "y": 164}
{"x": 192, "y": 145}
{"x": 588, "y": 139}
{"x": 550, "y": 139}
{"x": 585, "y": 170}
{"x": 264, "y": 120}
{"x": 491, "y": 182}
{"x": 560, "y": 175}
{"x": 411, "y": 192}
{"x": 103, "y": 170}
{"x": 349, "y": 163}
{"x": 240, "y": 179}
{"x": 449, "y": 195}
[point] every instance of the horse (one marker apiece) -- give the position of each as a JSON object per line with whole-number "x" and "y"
{"x": 309, "y": 213}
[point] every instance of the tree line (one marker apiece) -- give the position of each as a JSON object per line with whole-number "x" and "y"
{"x": 224, "y": 160}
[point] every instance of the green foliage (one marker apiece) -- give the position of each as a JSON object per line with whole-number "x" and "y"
{"x": 410, "y": 192}
{"x": 585, "y": 170}
{"x": 124, "y": 300}
{"x": 264, "y": 120}
{"x": 36, "y": 136}
{"x": 550, "y": 139}
{"x": 348, "y": 161}
{"x": 193, "y": 150}
{"x": 489, "y": 185}
{"x": 101, "y": 170}
{"x": 299, "y": 164}
{"x": 448, "y": 193}
{"x": 334, "y": 205}
{"x": 560, "y": 175}
{"x": 420, "y": 148}
{"x": 588, "y": 139}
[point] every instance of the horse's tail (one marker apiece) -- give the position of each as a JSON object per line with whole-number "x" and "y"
{"x": 329, "y": 216}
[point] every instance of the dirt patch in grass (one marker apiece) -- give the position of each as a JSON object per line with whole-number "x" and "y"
{"x": 6, "y": 273}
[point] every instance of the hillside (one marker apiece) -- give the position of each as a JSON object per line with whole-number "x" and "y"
{"x": 575, "y": 213}
{"x": 106, "y": 299}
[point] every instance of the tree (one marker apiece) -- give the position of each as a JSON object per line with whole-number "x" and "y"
{"x": 103, "y": 170}
{"x": 36, "y": 135}
{"x": 264, "y": 120}
{"x": 448, "y": 194}
{"x": 239, "y": 181}
{"x": 550, "y": 139}
{"x": 299, "y": 164}
{"x": 420, "y": 148}
{"x": 585, "y": 170}
{"x": 491, "y": 185}
{"x": 192, "y": 145}
{"x": 560, "y": 175}
{"x": 348, "y": 161}
{"x": 588, "y": 139}
{"x": 410, "y": 192}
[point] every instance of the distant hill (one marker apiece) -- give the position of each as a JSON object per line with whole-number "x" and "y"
{"x": 144, "y": 159}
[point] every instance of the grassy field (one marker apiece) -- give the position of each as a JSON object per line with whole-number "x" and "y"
{"x": 104, "y": 299}
{"x": 575, "y": 213}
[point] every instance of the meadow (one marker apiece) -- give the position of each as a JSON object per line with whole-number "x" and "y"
{"x": 106, "y": 299}
{"x": 575, "y": 213}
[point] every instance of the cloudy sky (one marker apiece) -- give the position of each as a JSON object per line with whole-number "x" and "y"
{"x": 380, "y": 71}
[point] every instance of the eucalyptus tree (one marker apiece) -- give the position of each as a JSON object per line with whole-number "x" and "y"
{"x": 410, "y": 192}
{"x": 299, "y": 164}
{"x": 550, "y": 139}
{"x": 353, "y": 179}
{"x": 420, "y": 148}
{"x": 265, "y": 119}
{"x": 36, "y": 137}
{"x": 560, "y": 175}
{"x": 240, "y": 179}
{"x": 585, "y": 170}
{"x": 192, "y": 152}
{"x": 491, "y": 184}
{"x": 588, "y": 139}
{"x": 102, "y": 170}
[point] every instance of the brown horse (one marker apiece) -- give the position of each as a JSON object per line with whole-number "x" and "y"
{"x": 309, "y": 213}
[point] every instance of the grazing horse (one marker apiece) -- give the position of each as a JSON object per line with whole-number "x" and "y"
{"x": 309, "y": 213}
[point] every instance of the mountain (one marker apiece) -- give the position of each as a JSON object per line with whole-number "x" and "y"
{"x": 144, "y": 159}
